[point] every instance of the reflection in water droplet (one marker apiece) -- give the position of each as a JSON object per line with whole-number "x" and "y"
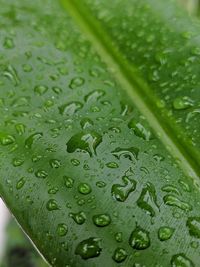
{"x": 180, "y": 260}
{"x": 139, "y": 239}
{"x": 147, "y": 200}
{"x": 165, "y": 233}
{"x": 101, "y": 220}
{"x": 87, "y": 142}
{"x": 121, "y": 192}
{"x": 89, "y": 248}
{"x": 119, "y": 255}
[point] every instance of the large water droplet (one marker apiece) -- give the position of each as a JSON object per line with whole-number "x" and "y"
{"x": 101, "y": 220}
{"x": 147, "y": 199}
{"x": 89, "y": 248}
{"x": 70, "y": 108}
{"x": 87, "y": 142}
{"x": 182, "y": 103}
{"x": 139, "y": 239}
{"x": 193, "y": 224}
{"x": 32, "y": 138}
{"x": 174, "y": 201}
{"x": 6, "y": 139}
{"x": 121, "y": 192}
{"x": 119, "y": 255}
{"x": 180, "y": 260}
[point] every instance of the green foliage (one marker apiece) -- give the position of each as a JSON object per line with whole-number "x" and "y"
{"x": 99, "y": 130}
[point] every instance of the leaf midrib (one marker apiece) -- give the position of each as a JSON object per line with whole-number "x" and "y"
{"x": 136, "y": 88}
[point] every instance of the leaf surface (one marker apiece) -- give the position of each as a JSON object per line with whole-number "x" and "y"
{"x": 99, "y": 130}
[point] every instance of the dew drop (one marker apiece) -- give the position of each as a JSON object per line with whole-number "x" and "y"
{"x": 176, "y": 202}
{"x": 139, "y": 239}
{"x": 119, "y": 255}
{"x": 130, "y": 153}
{"x": 84, "y": 188}
{"x": 20, "y": 183}
{"x": 121, "y": 192}
{"x": 112, "y": 165}
{"x": 139, "y": 130}
{"x": 89, "y": 248}
{"x": 55, "y": 163}
{"x": 94, "y": 96}
{"x": 69, "y": 182}
{"x": 165, "y": 233}
{"x": 181, "y": 103}
{"x": 180, "y": 260}
{"x": 79, "y": 217}
{"x": 41, "y": 174}
{"x": 32, "y": 138}
{"x": 70, "y": 108}
{"x": 147, "y": 200}
{"x": 76, "y": 82}
{"x": 62, "y": 229}
{"x": 40, "y": 89}
{"x": 101, "y": 220}
{"x": 193, "y": 224}
{"x": 6, "y": 139}
{"x": 52, "y": 205}
{"x": 86, "y": 142}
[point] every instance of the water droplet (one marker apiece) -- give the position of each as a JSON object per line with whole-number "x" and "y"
{"x": 75, "y": 162}
{"x": 53, "y": 190}
{"x": 6, "y": 139}
{"x": 41, "y": 174}
{"x": 69, "y": 182}
{"x": 119, "y": 255}
{"x": 174, "y": 201}
{"x": 147, "y": 200}
{"x": 101, "y": 220}
{"x": 27, "y": 68}
{"x": 76, "y": 82}
{"x": 70, "y": 108}
{"x": 20, "y": 128}
{"x": 87, "y": 142}
{"x": 52, "y": 205}
{"x": 118, "y": 237}
{"x": 40, "y": 89}
{"x": 55, "y": 163}
{"x": 182, "y": 103}
{"x": 121, "y": 192}
{"x": 130, "y": 153}
{"x": 8, "y": 43}
{"x": 32, "y": 138}
{"x": 94, "y": 96}
{"x": 112, "y": 165}
{"x": 21, "y": 183}
{"x": 57, "y": 90}
{"x": 89, "y": 248}
{"x": 86, "y": 122}
{"x": 180, "y": 260}
{"x": 170, "y": 189}
{"x": 79, "y": 217}
{"x": 139, "y": 130}
{"x": 165, "y": 233}
{"x": 84, "y": 188}
{"x": 193, "y": 223}
{"x": 139, "y": 239}
{"x": 100, "y": 184}
{"x": 62, "y": 229}
{"x": 17, "y": 162}
{"x": 11, "y": 73}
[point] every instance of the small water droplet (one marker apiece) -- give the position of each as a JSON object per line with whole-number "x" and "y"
{"x": 17, "y": 162}
{"x": 62, "y": 229}
{"x": 32, "y": 138}
{"x": 55, "y": 163}
{"x": 139, "y": 130}
{"x": 8, "y": 43}
{"x": 69, "y": 182}
{"x": 121, "y": 192}
{"x": 20, "y": 128}
{"x": 118, "y": 237}
{"x": 112, "y": 165}
{"x": 119, "y": 255}
{"x": 94, "y": 95}
{"x": 40, "y": 89}
{"x": 70, "y": 108}
{"x": 79, "y": 217}
{"x": 41, "y": 174}
{"x": 76, "y": 82}
{"x": 165, "y": 233}
{"x": 139, "y": 239}
{"x": 84, "y": 188}
{"x": 21, "y": 183}
{"x": 89, "y": 248}
{"x": 6, "y": 139}
{"x": 101, "y": 220}
{"x": 52, "y": 205}
{"x": 130, "y": 153}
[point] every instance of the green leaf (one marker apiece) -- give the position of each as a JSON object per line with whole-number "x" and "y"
{"x": 99, "y": 130}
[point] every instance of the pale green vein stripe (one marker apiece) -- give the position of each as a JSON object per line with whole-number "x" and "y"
{"x": 135, "y": 87}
